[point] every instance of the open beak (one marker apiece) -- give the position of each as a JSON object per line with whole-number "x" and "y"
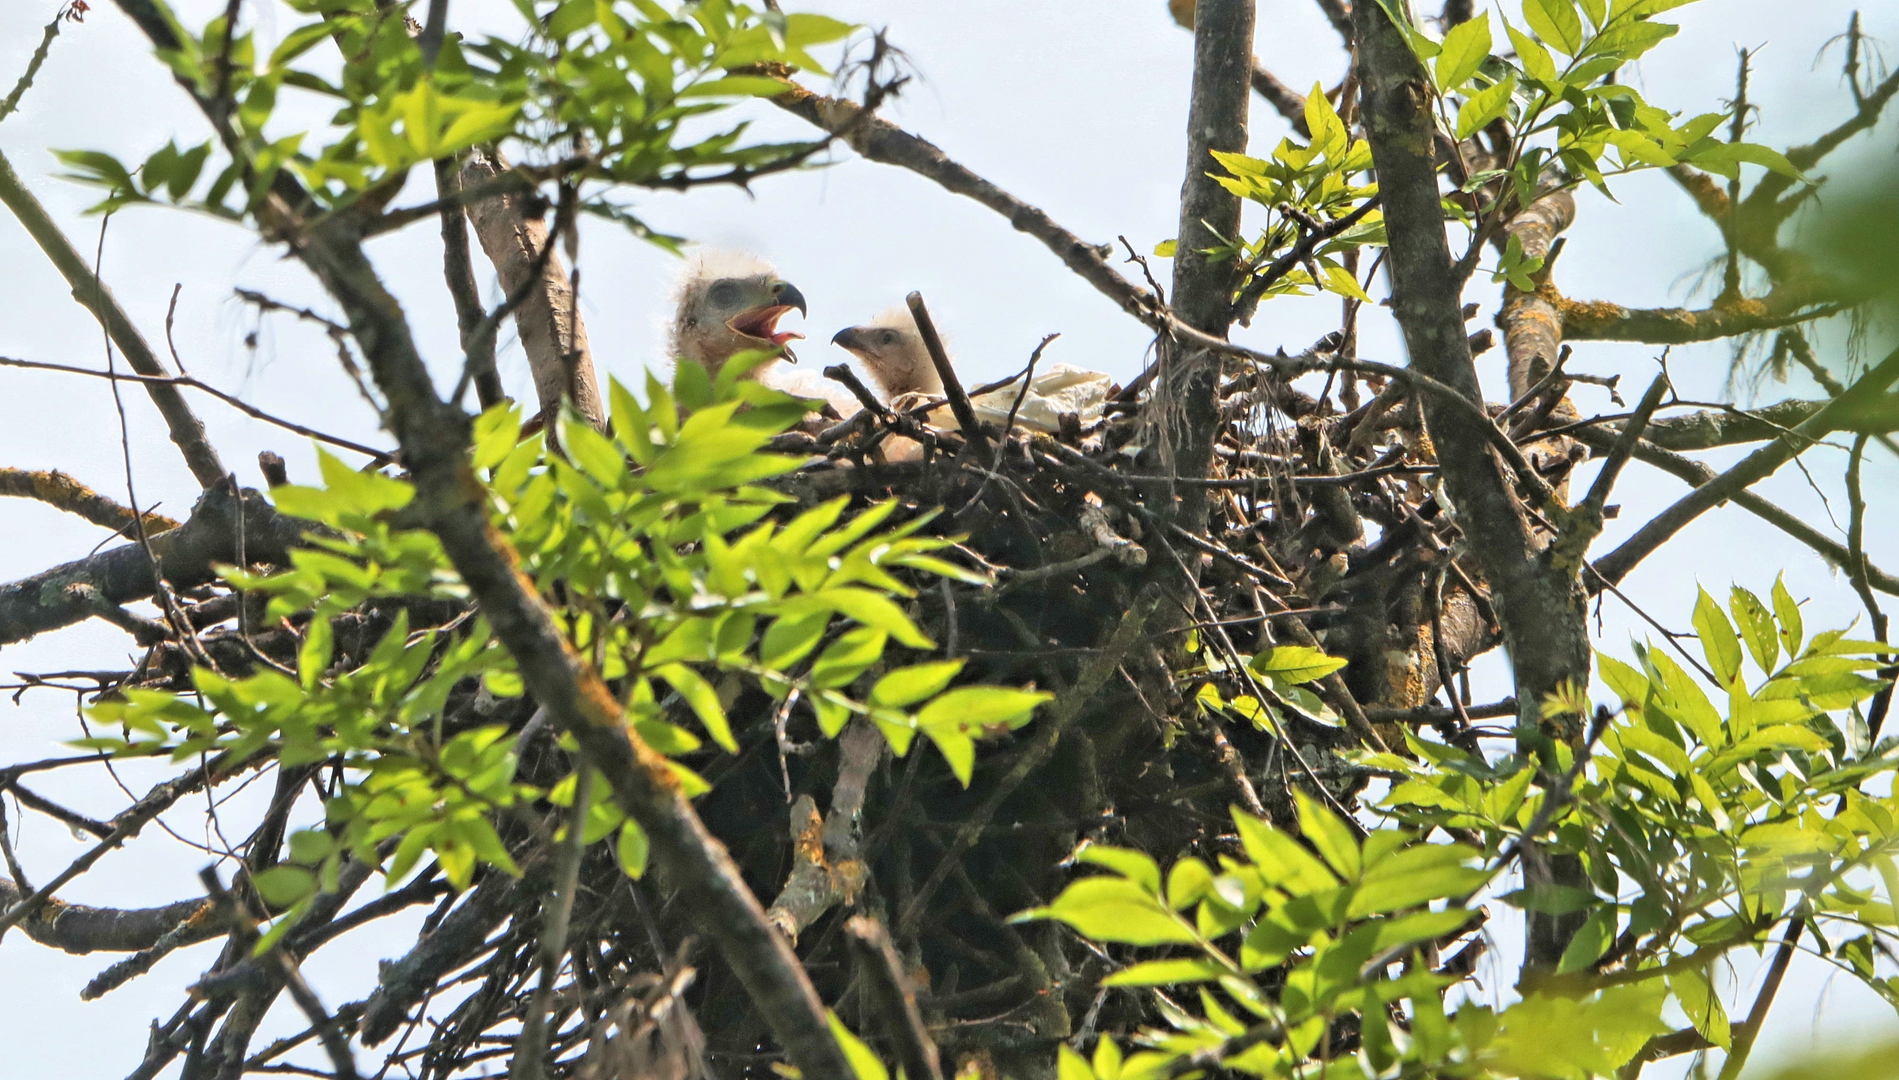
{"x": 762, "y": 323}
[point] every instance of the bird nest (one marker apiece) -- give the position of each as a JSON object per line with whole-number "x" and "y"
{"x": 1320, "y": 532}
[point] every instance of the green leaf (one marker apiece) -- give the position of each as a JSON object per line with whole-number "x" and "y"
{"x": 876, "y": 610}
{"x": 1590, "y": 942}
{"x": 1531, "y": 55}
{"x": 847, "y": 657}
{"x": 789, "y": 639}
{"x": 1165, "y": 249}
{"x": 1702, "y": 1003}
{"x": 1466, "y": 47}
{"x": 1070, "y": 1065}
{"x": 1329, "y": 137}
{"x": 1485, "y": 106}
{"x": 283, "y": 885}
{"x": 1294, "y": 663}
{"x": 863, "y": 1061}
{"x": 1788, "y": 614}
{"x": 1416, "y": 875}
{"x": 1556, "y": 22}
{"x": 908, "y": 685}
{"x": 632, "y": 849}
{"x": 1166, "y": 973}
{"x": 704, "y": 700}
{"x": 313, "y": 655}
{"x": 1283, "y": 863}
{"x": 1718, "y": 641}
{"x": 1757, "y": 627}
{"x": 1329, "y": 834}
{"x": 1137, "y": 866}
{"x": 1115, "y": 909}
{"x": 1340, "y": 281}
{"x": 977, "y": 710}
{"x": 958, "y": 749}
{"x": 1187, "y": 881}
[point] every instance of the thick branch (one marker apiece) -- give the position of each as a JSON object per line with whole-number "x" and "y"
{"x": 1531, "y": 323}
{"x": 57, "y": 489}
{"x": 1600, "y": 320}
{"x": 1209, "y": 220}
{"x": 434, "y": 439}
{"x": 186, "y": 555}
{"x": 1539, "y": 603}
{"x": 92, "y": 294}
{"x": 79, "y": 928}
{"x": 515, "y": 237}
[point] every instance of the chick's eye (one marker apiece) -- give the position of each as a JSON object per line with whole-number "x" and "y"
{"x": 724, "y": 294}
{"x": 888, "y": 337}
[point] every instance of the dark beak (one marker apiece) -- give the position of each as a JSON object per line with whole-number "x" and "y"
{"x": 784, "y": 292}
{"x": 848, "y": 338}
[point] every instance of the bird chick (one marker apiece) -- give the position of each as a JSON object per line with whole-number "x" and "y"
{"x": 893, "y": 354}
{"x": 727, "y": 304}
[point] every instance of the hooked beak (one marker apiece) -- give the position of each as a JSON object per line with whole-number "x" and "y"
{"x": 850, "y": 340}
{"x": 762, "y": 323}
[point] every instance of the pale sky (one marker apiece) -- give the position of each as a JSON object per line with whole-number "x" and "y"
{"x": 1076, "y": 106}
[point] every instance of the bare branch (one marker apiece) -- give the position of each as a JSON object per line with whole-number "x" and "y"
{"x": 1755, "y": 467}
{"x": 186, "y": 431}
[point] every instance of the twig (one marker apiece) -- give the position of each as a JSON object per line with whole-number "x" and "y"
{"x": 382, "y": 457}
{"x": 1857, "y": 570}
{"x": 892, "y": 997}
{"x": 531, "y": 1046}
{"x": 25, "y": 83}
{"x": 1750, "y": 1029}
{"x": 1756, "y": 466}
{"x": 952, "y": 386}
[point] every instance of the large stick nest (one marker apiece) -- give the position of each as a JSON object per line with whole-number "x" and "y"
{"x": 1322, "y": 530}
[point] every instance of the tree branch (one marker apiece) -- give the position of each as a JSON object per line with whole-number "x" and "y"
{"x": 81, "y": 929}
{"x": 879, "y": 140}
{"x": 516, "y": 240}
{"x": 1539, "y": 601}
{"x": 434, "y": 438}
{"x": 186, "y": 431}
{"x": 187, "y": 555}
{"x": 1186, "y": 408}
{"x": 1755, "y": 467}
{"x": 56, "y": 489}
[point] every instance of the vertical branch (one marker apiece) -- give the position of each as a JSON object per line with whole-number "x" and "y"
{"x": 478, "y": 349}
{"x": 531, "y": 1045}
{"x": 434, "y": 439}
{"x": 515, "y": 237}
{"x": 1539, "y": 601}
{"x": 1209, "y": 220}
{"x": 183, "y": 424}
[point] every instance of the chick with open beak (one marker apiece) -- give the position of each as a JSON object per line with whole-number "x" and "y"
{"x": 729, "y": 304}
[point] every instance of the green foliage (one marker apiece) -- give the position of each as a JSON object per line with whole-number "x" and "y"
{"x": 1701, "y": 828}
{"x": 1303, "y": 187}
{"x": 634, "y": 81}
{"x": 665, "y": 568}
{"x": 1567, "y": 118}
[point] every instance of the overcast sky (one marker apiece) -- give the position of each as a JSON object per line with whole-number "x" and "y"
{"x": 1076, "y": 106}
